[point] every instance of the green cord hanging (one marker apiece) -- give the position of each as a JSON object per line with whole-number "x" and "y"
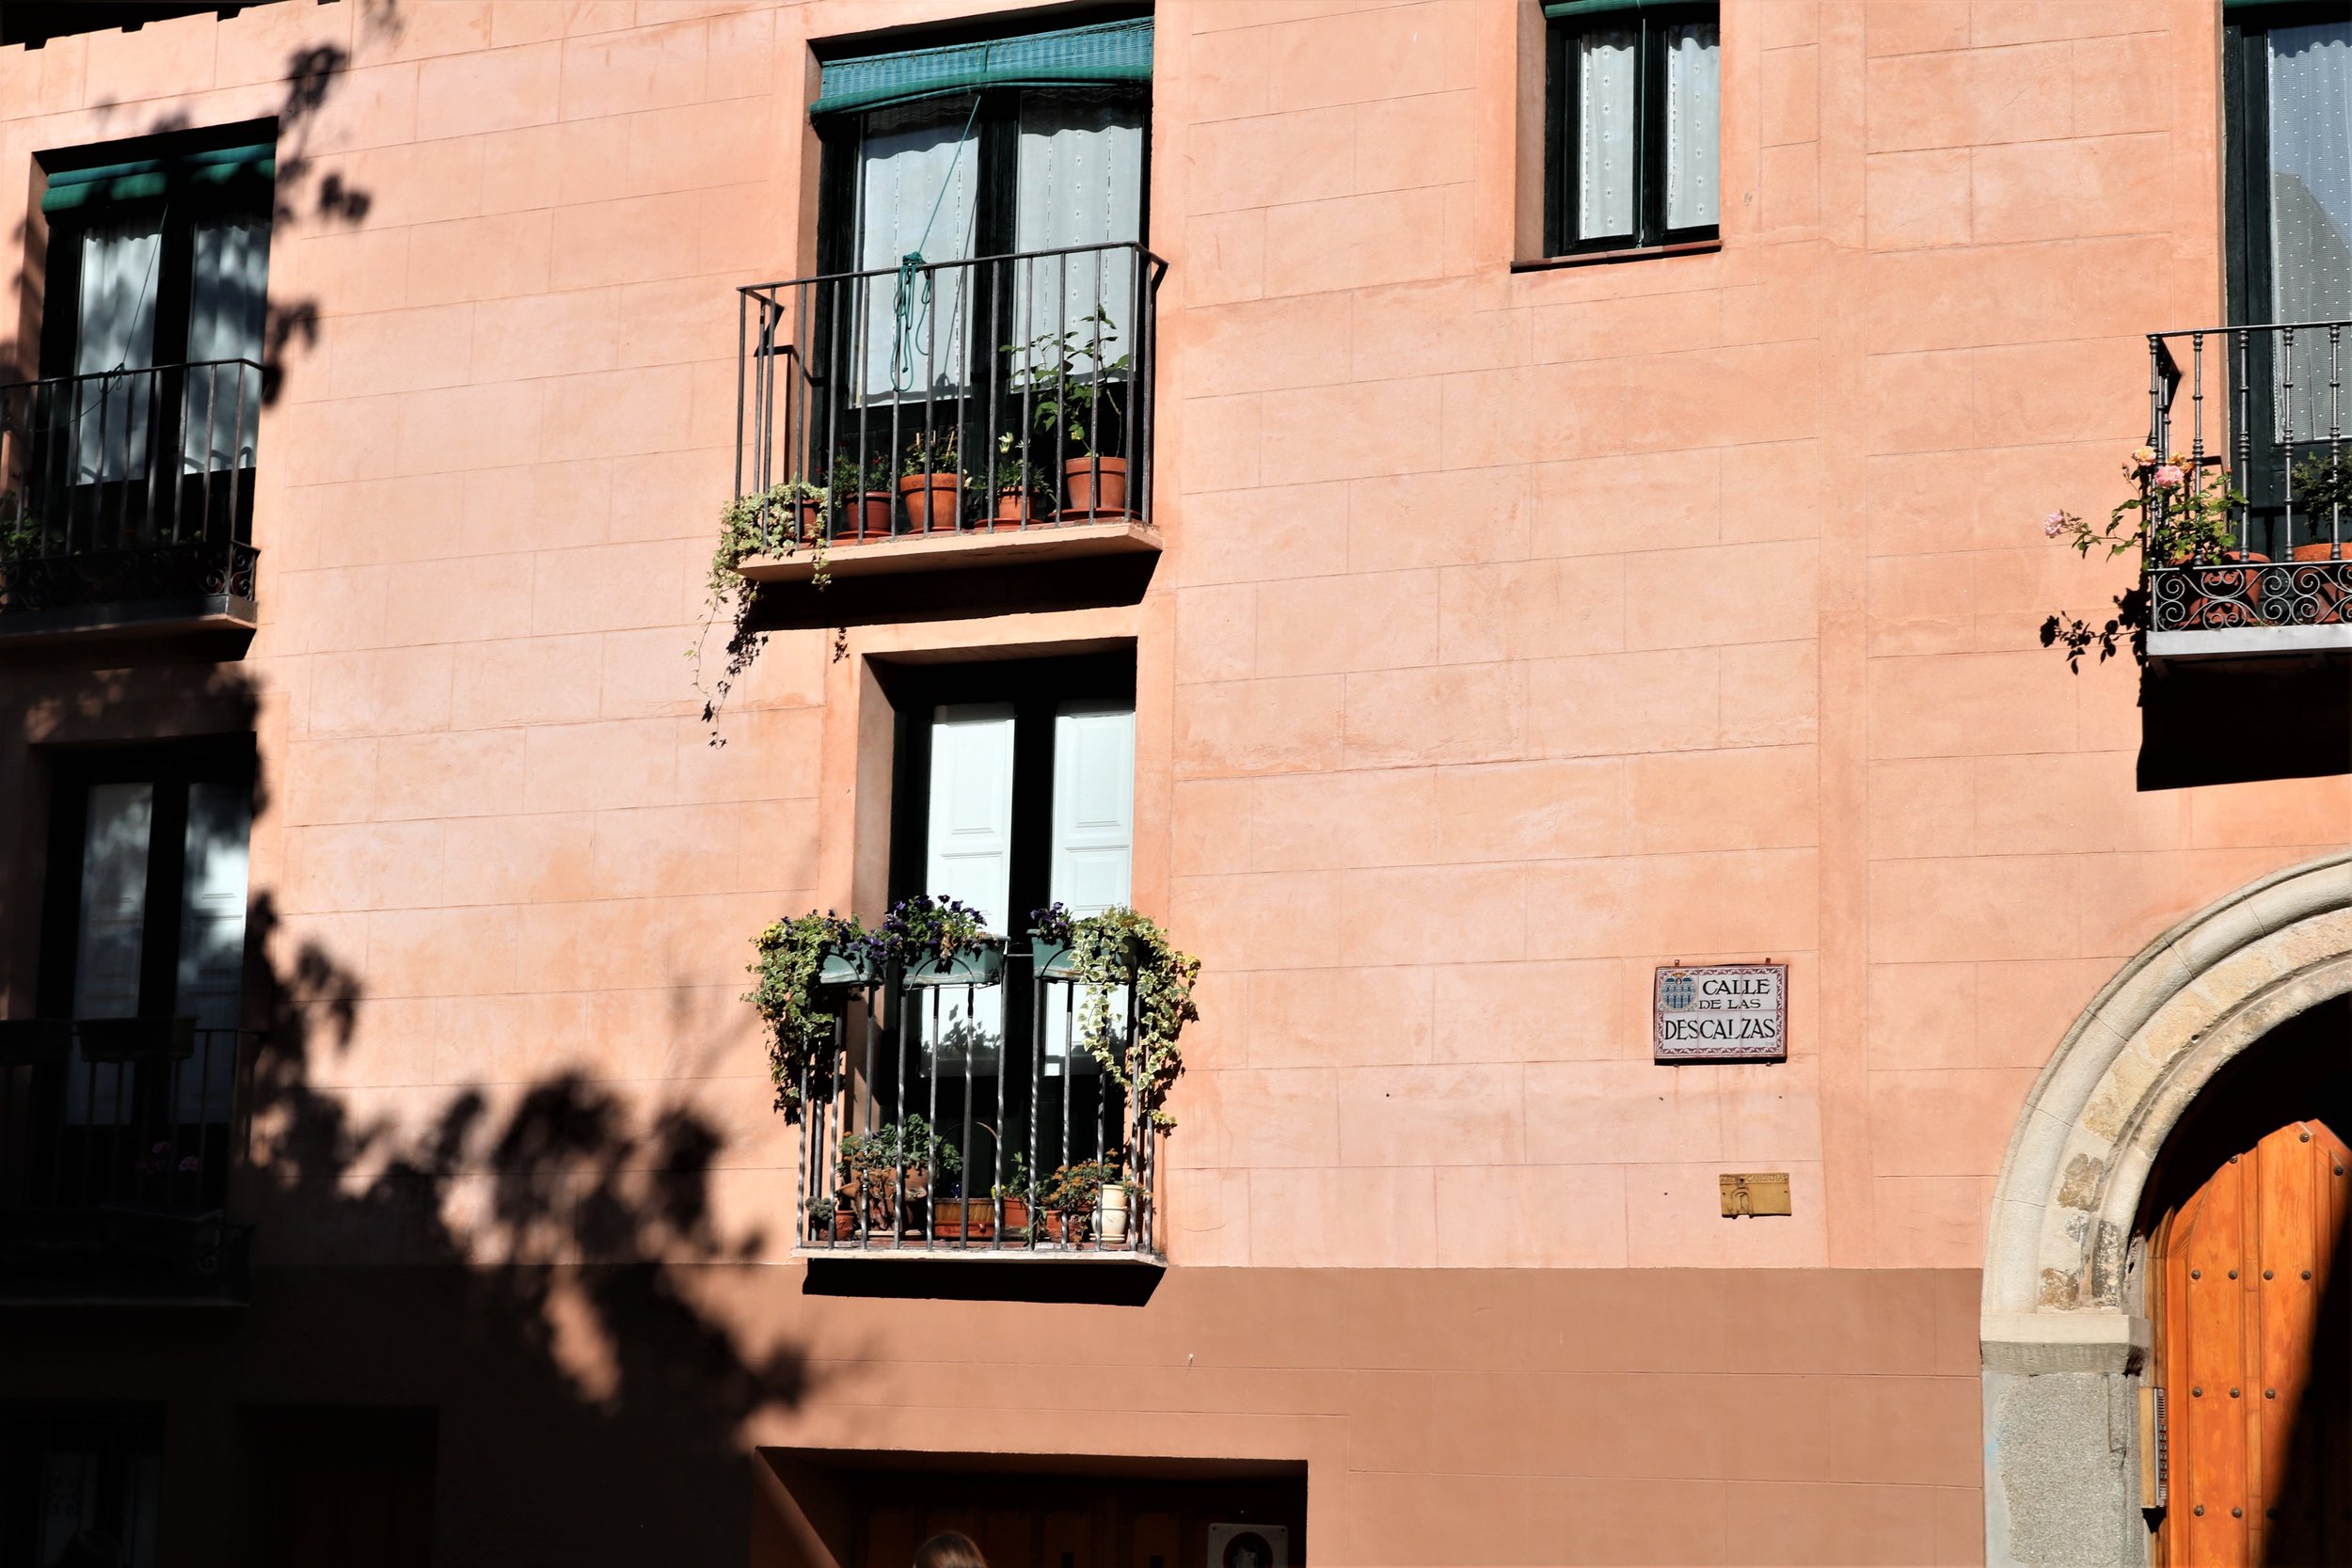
{"x": 911, "y": 317}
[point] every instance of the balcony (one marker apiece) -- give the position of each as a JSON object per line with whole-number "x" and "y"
{"x": 945, "y": 415}
{"x": 126, "y": 504}
{"x": 961, "y": 1115}
{"x": 117, "y": 1139}
{"x": 2268, "y": 404}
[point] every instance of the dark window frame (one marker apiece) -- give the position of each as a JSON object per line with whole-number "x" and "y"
{"x": 1561, "y": 141}
{"x": 171, "y": 767}
{"x": 175, "y": 263}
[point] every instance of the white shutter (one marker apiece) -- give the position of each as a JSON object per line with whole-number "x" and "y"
{"x": 228, "y": 297}
{"x": 211, "y": 942}
{"x": 111, "y": 938}
{"x": 1094, "y": 805}
{"x": 1094, "y": 833}
{"x": 115, "y": 331}
{"x": 2310, "y": 213}
{"x": 969, "y": 857}
{"x": 918, "y": 184}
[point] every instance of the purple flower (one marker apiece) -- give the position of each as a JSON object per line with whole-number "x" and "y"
{"x": 190, "y": 1164}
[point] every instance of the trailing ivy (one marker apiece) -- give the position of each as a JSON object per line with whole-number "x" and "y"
{"x": 749, "y": 526}
{"x": 1107, "y": 952}
{"x": 790, "y": 955}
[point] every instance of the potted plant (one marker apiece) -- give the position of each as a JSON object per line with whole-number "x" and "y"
{"x": 1078, "y": 392}
{"x": 1013, "y": 1201}
{"x": 937, "y": 941}
{"x": 1109, "y": 952}
{"x": 1071, "y": 1194}
{"x": 931, "y": 484}
{"x": 1013, "y": 485}
{"x": 889, "y": 1168}
{"x": 860, "y": 489}
{"x": 2323, "y": 491}
{"x": 802, "y": 969}
{"x": 1113, "y": 1208}
{"x": 829, "y": 1221}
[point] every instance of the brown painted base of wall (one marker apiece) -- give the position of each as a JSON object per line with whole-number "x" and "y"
{"x": 1446, "y": 1416}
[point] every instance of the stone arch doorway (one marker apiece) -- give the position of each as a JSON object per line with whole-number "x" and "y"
{"x": 2248, "y": 1287}
{"x": 2066, "y": 1338}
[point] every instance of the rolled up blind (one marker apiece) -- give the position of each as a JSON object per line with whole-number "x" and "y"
{"x": 146, "y": 177}
{"x": 1105, "y": 52}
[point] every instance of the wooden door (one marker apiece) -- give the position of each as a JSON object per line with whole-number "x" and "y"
{"x": 2254, "y": 1321}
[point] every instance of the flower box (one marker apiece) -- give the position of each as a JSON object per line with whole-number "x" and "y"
{"x": 975, "y": 963}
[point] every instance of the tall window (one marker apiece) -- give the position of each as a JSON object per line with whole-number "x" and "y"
{"x": 1635, "y": 121}
{"x": 1015, "y": 790}
{"x": 158, "y": 269}
{"x": 2288, "y": 87}
{"x": 143, "y": 948}
{"x": 80, "y": 1483}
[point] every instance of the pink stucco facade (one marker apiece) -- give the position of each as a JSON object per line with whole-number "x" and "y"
{"x": 1521, "y": 628}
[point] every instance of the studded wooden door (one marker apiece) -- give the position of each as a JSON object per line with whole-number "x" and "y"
{"x": 2254, "y": 1325}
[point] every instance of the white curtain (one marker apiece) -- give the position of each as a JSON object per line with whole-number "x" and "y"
{"x": 229, "y": 298}
{"x": 969, "y": 857}
{"x": 2310, "y": 213}
{"x": 211, "y": 943}
{"x": 115, "y": 331}
{"x": 914, "y": 162}
{"x": 1094, "y": 832}
{"x": 1694, "y": 125}
{"x": 1606, "y": 135}
{"x": 1079, "y": 181}
{"x": 111, "y": 939}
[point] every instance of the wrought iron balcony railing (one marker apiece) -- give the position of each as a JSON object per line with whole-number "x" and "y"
{"x": 117, "y": 1140}
{"x": 127, "y": 495}
{"x": 963, "y": 1112}
{"x": 2269, "y": 405}
{"x": 1004, "y": 399}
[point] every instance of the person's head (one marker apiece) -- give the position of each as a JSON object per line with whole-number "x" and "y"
{"x": 950, "y": 1549}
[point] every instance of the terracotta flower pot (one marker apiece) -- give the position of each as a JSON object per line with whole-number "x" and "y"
{"x": 1095, "y": 485}
{"x": 808, "y": 523}
{"x": 1012, "y": 510}
{"x": 865, "y": 517}
{"x": 842, "y": 1227}
{"x": 959, "y": 1219}
{"x": 1065, "y": 1229}
{"x": 934, "y": 502}
{"x": 1016, "y": 1221}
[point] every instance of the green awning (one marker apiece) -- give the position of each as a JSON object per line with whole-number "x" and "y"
{"x": 84, "y": 187}
{"x": 1106, "y": 52}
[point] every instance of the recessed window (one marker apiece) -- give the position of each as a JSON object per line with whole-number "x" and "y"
{"x": 80, "y": 1484}
{"x": 1633, "y": 142}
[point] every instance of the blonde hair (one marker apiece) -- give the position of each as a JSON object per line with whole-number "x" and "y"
{"x": 950, "y": 1549}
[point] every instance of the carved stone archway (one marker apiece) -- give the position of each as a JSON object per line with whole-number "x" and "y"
{"x": 2061, "y": 1333}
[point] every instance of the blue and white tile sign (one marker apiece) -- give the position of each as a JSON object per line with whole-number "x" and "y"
{"x": 1723, "y": 1013}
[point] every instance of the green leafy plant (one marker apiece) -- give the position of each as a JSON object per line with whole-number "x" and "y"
{"x": 2323, "y": 485}
{"x": 755, "y": 525}
{"x": 924, "y": 926}
{"x": 1074, "y": 1189}
{"x": 1017, "y": 1180}
{"x": 1109, "y": 952}
{"x": 871, "y": 1162}
{"x": 798, "y": 1011}
{"x": 1073, "y": 382}
{"x": 1013, "y": 472}
{"x": 2179, "y": 515}
{"x": 848, "y": 478}
{"x": 933, "y": 451}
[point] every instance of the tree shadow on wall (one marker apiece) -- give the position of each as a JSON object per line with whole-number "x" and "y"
{"x": 539, "y": 1267}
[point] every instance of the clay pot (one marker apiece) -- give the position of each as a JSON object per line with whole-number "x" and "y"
{"x": 1095, "y": 485}
{"x": 934, "y": 502}
{"x": 844, "y": 1226}
{"x": 957, "y": 1219}
{"x": 1065, "y": 1229}
{"x": 1012, "y": 510}
{"x": 865, "y": 517}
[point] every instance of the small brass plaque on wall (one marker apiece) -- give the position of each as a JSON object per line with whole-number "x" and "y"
{"x": 1756, "y": 1192}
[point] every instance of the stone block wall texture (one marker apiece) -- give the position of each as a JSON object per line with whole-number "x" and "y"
{"x": 1520, "y": 630}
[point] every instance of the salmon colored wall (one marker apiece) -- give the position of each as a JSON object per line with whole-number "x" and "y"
{"x": 1520, "y": 630}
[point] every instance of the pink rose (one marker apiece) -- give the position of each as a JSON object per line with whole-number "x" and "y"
{"x": 2053, "y": 525}
{"x": 2170, "y": 477}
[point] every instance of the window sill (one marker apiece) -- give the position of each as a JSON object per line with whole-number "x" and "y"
{"x": 952, "y": 551}
{"x": 1604, "y": 258}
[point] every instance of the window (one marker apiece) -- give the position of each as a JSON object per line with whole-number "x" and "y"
{"x": 158, "y": 268}
{"x": 144, "y": 949}
{"x": 2288, "y": 89}
{"x": 1015, "y": 788}
{"x": 1634, "y": 125}
{"x": 80, "y": 1483}
{"x": 352, "y": 1487}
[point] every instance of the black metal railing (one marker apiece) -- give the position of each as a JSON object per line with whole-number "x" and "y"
{"x": 2270, "y": 408}
{"x": 1001, "y": 393}
{"x": 961, "y": 1111}
{"x": 128, "y": 487}
{"x": 117, "y": 1140}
